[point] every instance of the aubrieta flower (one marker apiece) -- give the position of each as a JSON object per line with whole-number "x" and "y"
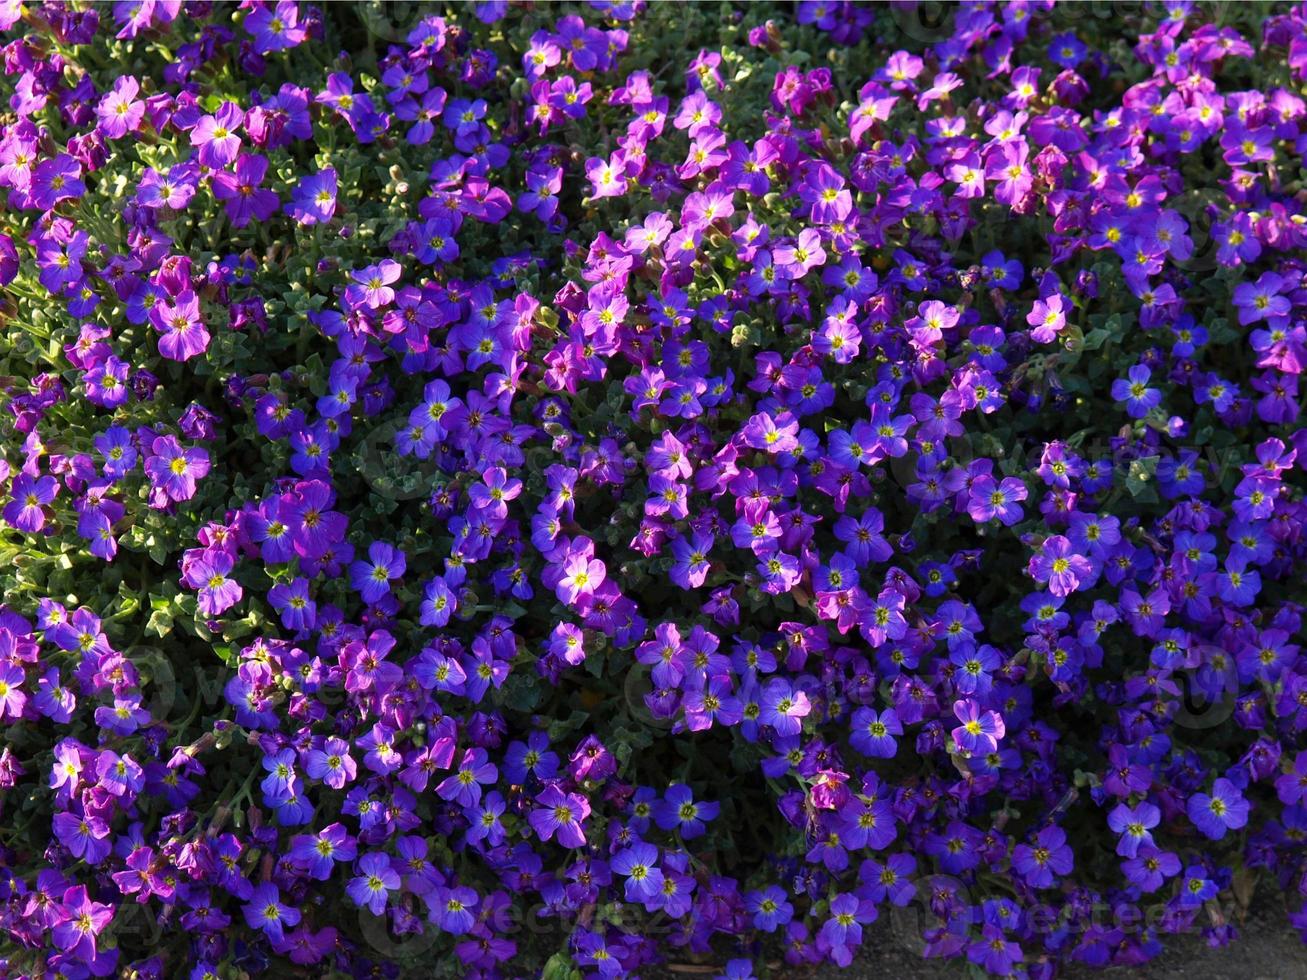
{"x": 372, "y": 886}
{"x": 265, "y": 912}
{"x": 1224, "y": 809}
{"x": 183, "y": 330}
{"x": 29, "y": 497}
{"x": 1134, "y": 391}
{"x": 720, "y": 446}
{"x": 560, "y": 816}
{"x": 372, "y": 576}
{"x": 216, "y": 137}
{"x": 313, "y": 200}
{"x": 174, "y": 469}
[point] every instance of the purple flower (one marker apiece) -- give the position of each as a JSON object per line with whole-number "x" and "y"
{"x": 1133, "y": 824}
{"x": 184, "y": 333}
{"x": 372, "y": 578}
{"x": 1047, "y": 857}
{"x": 452, "y": 908}
{"x": 86, "y": 835}
{"x": 1225, "y": 809}
{"x": 771, "y": 435}
{"x": 1047, "y": 318}
{"x": 173, "y": 469}
{"x": 842, "y": 932}
{"x": 54, "y": 180}
{"x": 294, "y": 603}
{"x": 119, "y": 111}
{"x": 873, "y": 733}
{"x": 1134, "y": 391}
{"x": 561, "y": 816}
{"x": 313, "y": 201}
{"x": 332, "y": 764}
{"x": 210, "y": 575}
{"x": 690, "y": 560}
{"x": 275, "y": 29}
{"x": 639, "y": 864}
{"x": 246, "y": 200}
{"x": 1196, "y": 888}
{"x": 769, "y": 907}
{"x": 783, "y": 708}
{"x": 264, "y": 911}
{"x": 1291, "y": 786}
{"x": 80, "y": 922}
{"x": 371, "y": 286}
{"x": 375, "y": 881}
{"x": 1261, "y": 300}
{"x": 319, "y": 852}
{"x": 1150, "y": 868}
{"x": 1057, "y": 564}
{"x": 12, "y": 697}
{"x": 29, "y": 496}
{"x": 678, "y": 811}
{"x": 980, "y": 730}
{"x": 216, "y": 136}
{"x": 582, "y": 575}
{"x": 990, "y": 500}
{"x": 464, "y": 786}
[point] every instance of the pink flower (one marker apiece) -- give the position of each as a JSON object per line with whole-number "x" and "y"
{"x": 184, "y": 334}
{"x": 216, "y": 138}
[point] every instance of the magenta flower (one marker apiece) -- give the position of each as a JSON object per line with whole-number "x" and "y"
{"x": 246, "y": 200}
{"x": 1057, "y": 563}
{"x": 119, "y": 111}
{"x": 216, "y": 136}
{"x": 560, "y": 816}
{"x": 12, "y": 698}
{"x": 1047, "y": 318}
{"x": 184, "y": 333}
{"x": 173, "y": 469}
{"x": 80, "y": 922}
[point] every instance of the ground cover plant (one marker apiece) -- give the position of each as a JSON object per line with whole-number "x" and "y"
{"x": 548, "y": 489}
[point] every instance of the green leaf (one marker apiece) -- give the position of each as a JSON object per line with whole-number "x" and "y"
{"x": 1141, "y": 477}
{"x": 560, "y": 967}
{"x": 160, "y": 623}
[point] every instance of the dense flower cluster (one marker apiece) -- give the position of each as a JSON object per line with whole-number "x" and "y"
{"x": 510, "y": 490}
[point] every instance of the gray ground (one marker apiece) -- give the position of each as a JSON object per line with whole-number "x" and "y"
{"x": 1267, "y": 949}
